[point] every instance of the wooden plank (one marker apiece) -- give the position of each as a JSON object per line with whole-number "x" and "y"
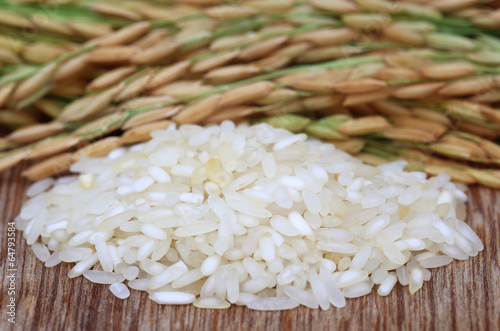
{"x": 462, "y": 296}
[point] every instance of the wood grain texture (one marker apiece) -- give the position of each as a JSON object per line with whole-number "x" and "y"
{"x": 462, "y": 296}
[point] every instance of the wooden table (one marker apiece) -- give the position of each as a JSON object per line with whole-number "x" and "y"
{"x": 462, "y": 296}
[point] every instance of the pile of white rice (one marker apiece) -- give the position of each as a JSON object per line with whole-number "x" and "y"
{"x": 249, "y": 215}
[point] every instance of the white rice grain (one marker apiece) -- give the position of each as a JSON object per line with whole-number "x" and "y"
{"x": 212, "y": 302}
{"x": 41, "y": 251}
{"x": 172, "y": 298}
{"x": 83, "y": 266}
{"x": 120, "y": 290}
{"x": 39, "y": 186}
{"x": 75, "y": 254}
{"x": 168, "y": 275}
{"x": 103, "y": 277}
{"x": 387, "y": 284}
{"x": 273, "y": 304}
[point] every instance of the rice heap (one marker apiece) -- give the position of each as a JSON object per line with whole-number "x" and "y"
{"x": 250, "y": 215}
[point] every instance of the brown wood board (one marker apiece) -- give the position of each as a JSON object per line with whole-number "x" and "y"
{"x": 464, "y": 295}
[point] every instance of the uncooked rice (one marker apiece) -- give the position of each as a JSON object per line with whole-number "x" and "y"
{"x": 248, "y": 215}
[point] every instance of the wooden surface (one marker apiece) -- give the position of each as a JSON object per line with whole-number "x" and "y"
{"x": 462, "y": 296}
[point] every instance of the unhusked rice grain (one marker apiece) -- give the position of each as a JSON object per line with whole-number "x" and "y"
{"x": 249, "y": 215}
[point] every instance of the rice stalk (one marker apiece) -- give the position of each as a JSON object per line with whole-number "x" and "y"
{"x": 231, "y": 73}
{"x": 478, "y": 130}
{"x": 364, "y": 125}
{"x": 277, "y": 95}
{"x": 457, "y": 175}
{"x": 229, "y": 12}
{"x": 151, "y": 38}
{"x": 362, "y": 85}
{"x": 337, "y": 7}
{"x": 291, "y": 122}
{"x": 52, "y": 147}
{"x": 155, "y": 53}
{"x": 220, "y": 47}
{"x": 29, "y": 100}
{"x": 491, "y": 96}
{"x": 448, "y": 71}
{"x": 113, "y": 10}
{"x": 215, "y": 61}
{"x": 71, "y": 68}
{"x": 417, "y": 91}
{"x": 36, "y": 132}
{"x": 90, "y": 30}
{"x": 388, "y": 108}
{"x": 142, "y": 132}
{"x": 366, "y": 98}
{"x": 113, "y": 55}
{"x": 15, "y": 20}
{"x": 99, "y": 148}
{"x": 351, "y": 146}
{"x": 167, "y": 75}
{"x": 245, "y": 94}
{"x": 326, "y": 36}
{"x": 328, "y": 53}
{"x": 182, "y": 89}
{"x": 433, "y": 128}
{"x": 67, "y": 89}
{"x": 431, "y": 115}
{"x": 262, "y": 48}
{"x": 322, "y": 131}
{"x": 123, "y": 36}
{"x": 100, "y": 126}
{"x": 372, "y": 159}
{"x": 401, "y": 34}
{"x": 135, "y": 87}
{"x": 111, "y": 78}
{"x": 151, "y": 117}
{"x": 319, "y": 102}
{"x": 35, "y": 82}
{"x": 408, "y": 134}
{"x": 9, "y": 57}
{"x": 468, "y": 86}
{"x": 10, "y": 160}
{"x": 5, "y": 92}
{"x": 492, "y": 149}
{"x": 236, "y": 114}
{"x": 198, "y": 111}
{"x": 15, "y": 119}
{"x": 397, "y": 73}
{"x": 40, "y": 53}
{"x": 141, "y": 102}
{"x": 53, "y": 26}
{"x": 49, "y": 167}
{"x": 485, "y": 178}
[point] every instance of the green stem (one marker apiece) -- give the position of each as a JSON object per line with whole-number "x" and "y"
{"x": 380, "y": 153}
{"x": 378, "y": 144}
